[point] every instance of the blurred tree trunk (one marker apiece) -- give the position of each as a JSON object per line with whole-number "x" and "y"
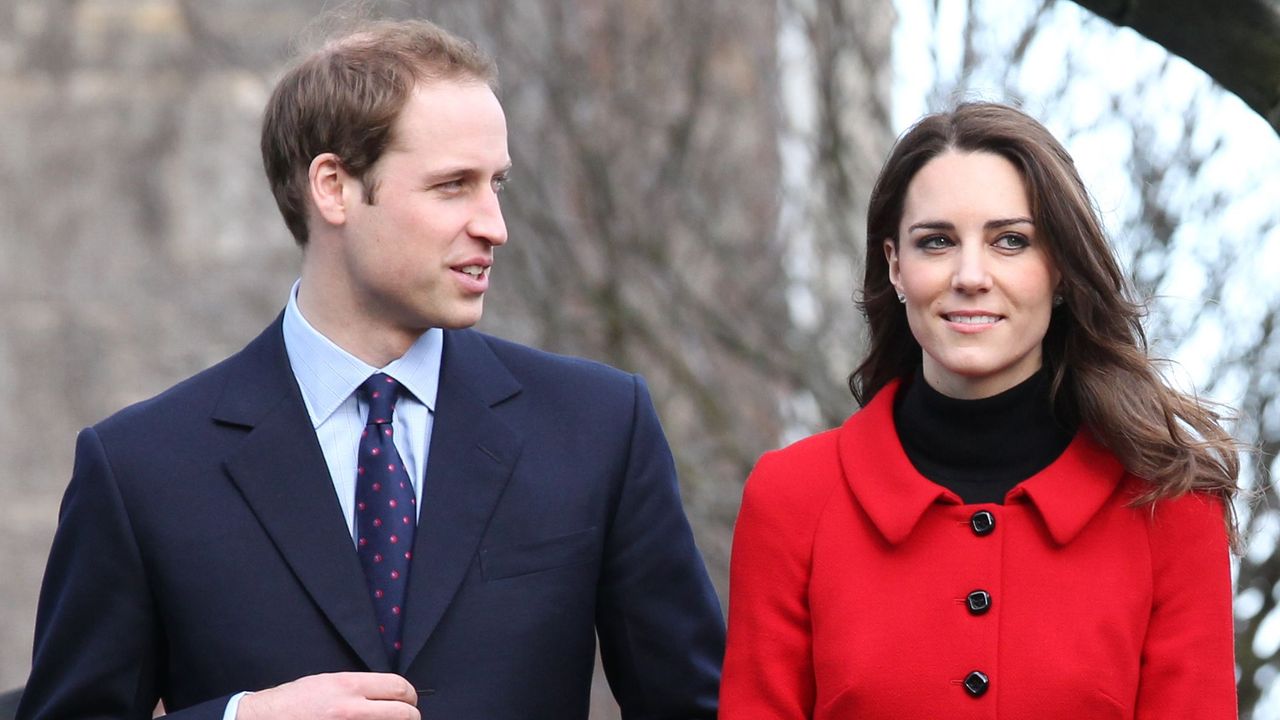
{"x": 649, "y": 141}
{"x": 645, "y": 208}
{"x": 1235, "y": 42}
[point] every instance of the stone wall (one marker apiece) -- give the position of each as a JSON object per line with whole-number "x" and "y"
{"x": 138, "y": 242}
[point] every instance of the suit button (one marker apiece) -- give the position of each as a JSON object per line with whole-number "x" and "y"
{"x": 982, "y": 522}
{"x": 979, "y": 601}
{"x": 976, "y": 683}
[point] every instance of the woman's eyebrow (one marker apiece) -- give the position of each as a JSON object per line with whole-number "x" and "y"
{"x": 944, "y": 225}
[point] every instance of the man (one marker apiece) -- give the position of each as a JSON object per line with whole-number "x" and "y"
{"x": 372, "y": 511}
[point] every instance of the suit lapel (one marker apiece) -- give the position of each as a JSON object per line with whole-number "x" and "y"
{"x": 281, "y": 472}
{"x": 471, "y": 458}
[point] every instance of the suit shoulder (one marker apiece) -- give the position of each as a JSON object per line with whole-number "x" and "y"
{"x": 187, "y": 397}
{"x": 529, "y": 362}
{"x": 193, "y": 397}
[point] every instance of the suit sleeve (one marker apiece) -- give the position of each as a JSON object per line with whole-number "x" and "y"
{"x": 98, "y": 648}
{"x": 1188, "y": 664}
{"x": 658, "y": 618}
{"x": 768, "y": 666}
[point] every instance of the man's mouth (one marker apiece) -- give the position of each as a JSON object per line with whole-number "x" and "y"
{"x": 475, "y": 271}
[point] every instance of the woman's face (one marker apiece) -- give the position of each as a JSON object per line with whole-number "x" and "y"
{"x": 978, "y": 280}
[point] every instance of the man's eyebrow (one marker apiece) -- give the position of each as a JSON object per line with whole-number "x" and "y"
{"x": 463, "y": 171}
{"x": 990, "y": 224}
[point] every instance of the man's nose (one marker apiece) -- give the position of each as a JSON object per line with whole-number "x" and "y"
{"x": 487, "y": 222}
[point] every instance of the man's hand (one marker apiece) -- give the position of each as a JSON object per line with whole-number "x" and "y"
{"x": 335, "y": 696}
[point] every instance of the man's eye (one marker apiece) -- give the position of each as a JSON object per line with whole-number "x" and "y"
{"x": 499, "y": 183}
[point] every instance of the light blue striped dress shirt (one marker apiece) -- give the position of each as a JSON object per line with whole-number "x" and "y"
{"x": 329, "y": 376}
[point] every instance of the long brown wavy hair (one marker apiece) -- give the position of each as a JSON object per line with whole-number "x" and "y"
{"x": 1095, "y": 348}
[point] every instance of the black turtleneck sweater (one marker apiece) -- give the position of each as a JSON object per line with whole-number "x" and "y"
{"x": 980, "y": 449}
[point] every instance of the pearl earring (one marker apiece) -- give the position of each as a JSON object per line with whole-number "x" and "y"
{"x": 902, "y": 298}
{"x": 1058, "y": 300}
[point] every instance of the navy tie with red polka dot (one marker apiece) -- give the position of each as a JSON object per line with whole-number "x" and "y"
{"x": 386, "y": 515}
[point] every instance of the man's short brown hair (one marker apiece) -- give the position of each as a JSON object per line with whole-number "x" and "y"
{"x": 345, "y": 97}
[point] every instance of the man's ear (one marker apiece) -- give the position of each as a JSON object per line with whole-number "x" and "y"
{"x": 327, "y": 181}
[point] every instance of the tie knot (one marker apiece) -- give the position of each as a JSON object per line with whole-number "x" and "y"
{"x": 381, "y": 391}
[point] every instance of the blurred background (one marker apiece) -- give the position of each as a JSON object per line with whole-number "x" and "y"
{"x": 687, "y": 202}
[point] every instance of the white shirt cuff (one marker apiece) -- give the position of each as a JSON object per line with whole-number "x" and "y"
{"x": 233, "y": 706}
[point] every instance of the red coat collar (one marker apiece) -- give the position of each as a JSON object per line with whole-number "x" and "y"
{"x": 1067, "y": 494}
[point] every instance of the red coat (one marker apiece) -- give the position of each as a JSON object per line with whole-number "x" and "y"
{"x": 851, "y": 577}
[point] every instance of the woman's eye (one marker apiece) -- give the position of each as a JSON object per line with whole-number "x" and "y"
{"x": 1012, "y": 241}
{"x": 933, "y": 242}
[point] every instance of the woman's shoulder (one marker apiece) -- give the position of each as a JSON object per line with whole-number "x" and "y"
{"x": 1194, "y": 513}
{"x": 1194, "y": 505}
{"x": 808, "y": 469}
{"x": 799, "y": 473}
{"x": 1175, "y": 524}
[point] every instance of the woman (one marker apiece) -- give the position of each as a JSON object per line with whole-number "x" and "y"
{"x": 1023, "y": 520}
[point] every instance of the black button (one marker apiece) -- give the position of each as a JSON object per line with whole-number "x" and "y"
{"x": 982, "y": 522}
{"x": 979, "y": 601}
{"x": 976, "y": 683}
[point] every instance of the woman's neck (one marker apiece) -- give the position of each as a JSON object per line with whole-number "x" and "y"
{"x": 980, "y": 449}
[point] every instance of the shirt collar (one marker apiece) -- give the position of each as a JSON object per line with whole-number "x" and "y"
{"x": 327, "y": 375}
{"x": 1067, "y": 494}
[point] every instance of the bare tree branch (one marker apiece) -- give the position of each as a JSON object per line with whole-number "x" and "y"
{"x": 1236, "y": 42}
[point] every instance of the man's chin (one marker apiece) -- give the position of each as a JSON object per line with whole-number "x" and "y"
{"x": 460, "y": 320}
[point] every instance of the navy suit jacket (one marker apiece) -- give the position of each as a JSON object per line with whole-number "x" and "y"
{"x": 201, "y": 551}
